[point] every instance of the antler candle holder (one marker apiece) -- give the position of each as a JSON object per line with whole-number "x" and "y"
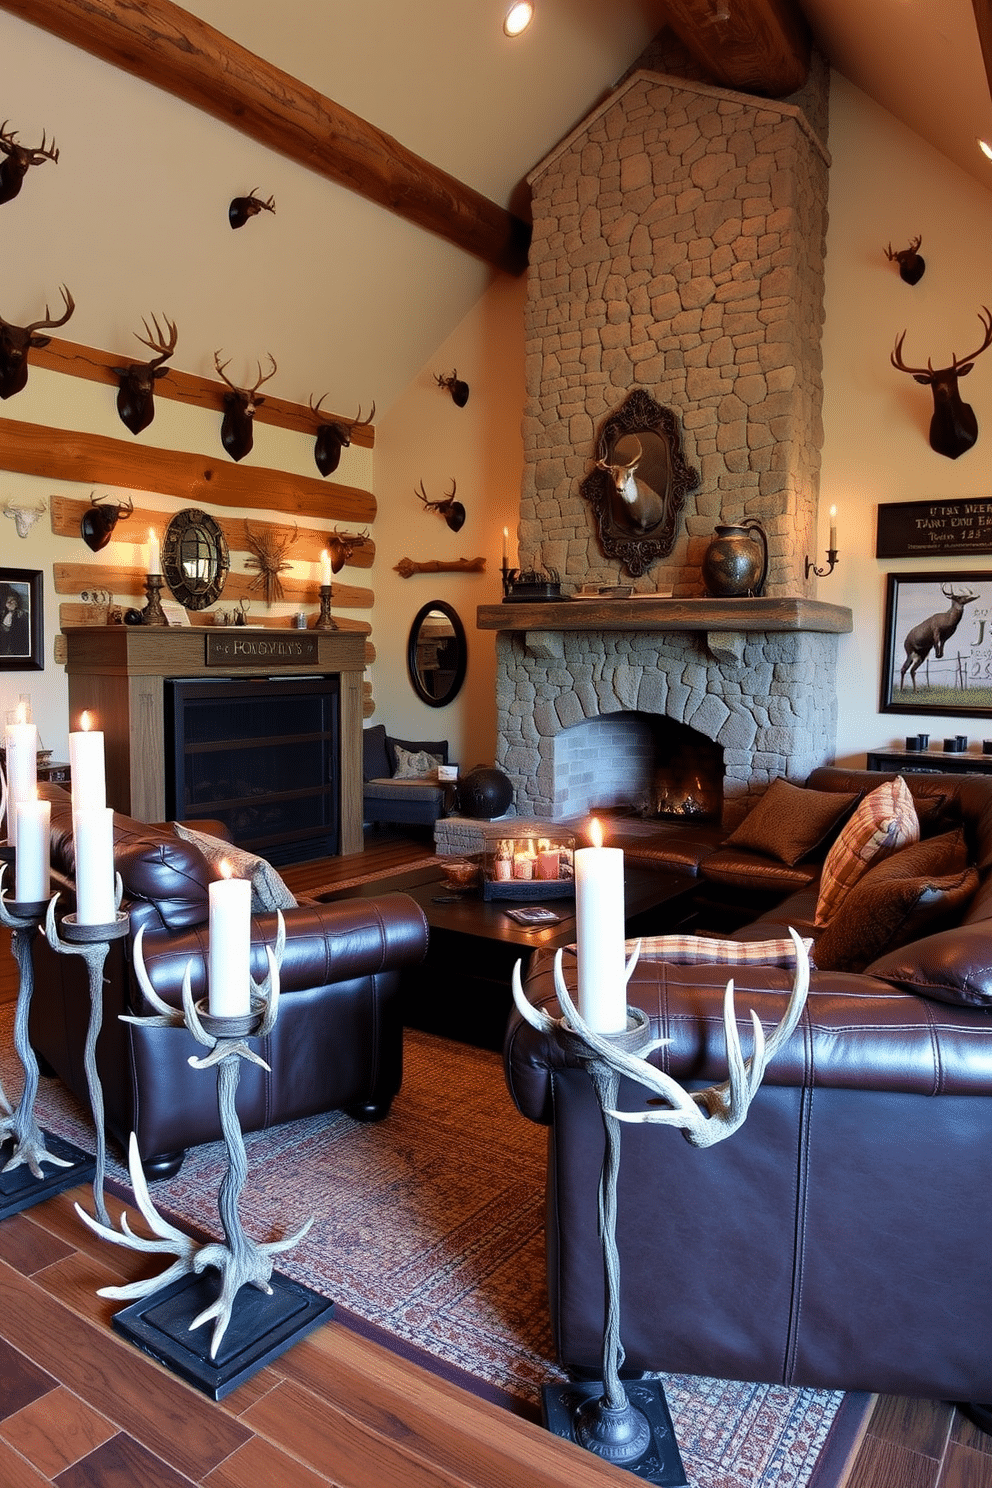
{"x": 31, "y": 1147}
{"x": 92, "y": 942}
{"x": 631, "y": 1426}
{"x": 160, "y": 1320}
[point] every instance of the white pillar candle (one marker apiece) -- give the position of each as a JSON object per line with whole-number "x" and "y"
{"x": 325, "y": 567}
{"x": 34, "y": 826}
{"x": 93, "y": 834}
{"x": 229, "y": 961}
{"x": 154, "y": 552}
{"x": 832, "y": 544}
{"x": 599, "y": 923}
{"x": 21, "y": 745}
{"x": 87, "y": 770}
{"x": 506, "y": 539}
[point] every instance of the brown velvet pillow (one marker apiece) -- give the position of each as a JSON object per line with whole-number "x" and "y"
{"x": 934, "y": 856}
{"x": 883, "y": 912}
{"x": 790, "y": 821}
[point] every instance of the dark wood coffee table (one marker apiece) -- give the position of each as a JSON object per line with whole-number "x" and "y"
{"x": 462, "y": 988}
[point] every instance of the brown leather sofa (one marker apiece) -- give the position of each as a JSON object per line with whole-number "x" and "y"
{"x": 840, "y": 1238}
{"x": 337, "y": 1041}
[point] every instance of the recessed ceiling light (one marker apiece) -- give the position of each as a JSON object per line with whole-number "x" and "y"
{"x": 985, "y": 148}
{"x": 518, "y": 17}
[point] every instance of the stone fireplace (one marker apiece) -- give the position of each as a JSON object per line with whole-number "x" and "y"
{"x": 678, "y": 247}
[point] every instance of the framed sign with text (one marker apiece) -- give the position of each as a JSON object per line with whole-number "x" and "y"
{"x": 920, "y": 529}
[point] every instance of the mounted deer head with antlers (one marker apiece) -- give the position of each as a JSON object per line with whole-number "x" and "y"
{"x": 451, "y": 510}
{"x": 334, "y": 436}
{"x": 341, "y": 545}
{"x": 953, "y": 427}
{"x": 17, "y": 341}
{"x": 236, "y": 431}
{"x": 23, "y": 514}
{"x": 18, "y": 159}
{"x": 136, "y": 383}
{"x": 243, "y": 207}
{"x": 911, "y": 265}
{"x": 455, "y": 385}
{"x": 97, "y": 525}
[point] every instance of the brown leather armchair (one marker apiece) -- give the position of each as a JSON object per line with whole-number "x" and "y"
{"x": 337, "y": 1042}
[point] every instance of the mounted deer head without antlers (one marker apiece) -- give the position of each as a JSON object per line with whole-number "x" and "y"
{"x": 953, "y": 427}
{"x": 236, "y": 433}
{"x": 451, "y": 510}
{"x": 17, "y": 341}
{"x": 341, "y": 545}
{"x": 136, "y": 383}
{"x": 24, "y": 516}
{"x": 243, "y": 207}
{"x": 911, "y": 265}
{"x": 334, "y": 436}
{"x": 18, "y": 160}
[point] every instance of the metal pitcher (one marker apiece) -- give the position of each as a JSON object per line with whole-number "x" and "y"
{"x": 736, "y": 561}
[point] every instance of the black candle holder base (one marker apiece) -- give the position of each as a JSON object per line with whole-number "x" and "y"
{"x": 568, "y": 1410}
{"x": 261, "y": 1328}
{"x": 19, "y": 1189}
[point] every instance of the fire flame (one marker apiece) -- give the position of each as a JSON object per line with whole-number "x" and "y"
{"x": 595, "y": 833}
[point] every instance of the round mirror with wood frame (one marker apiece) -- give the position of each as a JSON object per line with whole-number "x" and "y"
{"x": 195, "y": 559}
{"x": 437, "y": 654}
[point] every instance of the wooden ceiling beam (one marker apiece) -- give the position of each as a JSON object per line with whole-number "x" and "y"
{"x": 752, "y": 46}
{"x": 983, "y": 20}
{"x": 176, "y": 51}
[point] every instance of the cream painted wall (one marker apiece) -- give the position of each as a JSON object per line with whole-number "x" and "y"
{"x": 886, "y": 186}
{"x": 424, "y": 437}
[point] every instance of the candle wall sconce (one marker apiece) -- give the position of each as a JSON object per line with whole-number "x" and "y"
{"x": 630, "y": 1426}
{"x": 455, "y": 386}
{"x": 822, "y": 573}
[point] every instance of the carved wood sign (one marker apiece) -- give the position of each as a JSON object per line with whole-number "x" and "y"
{"x": 913, "y": 529}
{"x": 232, "y": 649}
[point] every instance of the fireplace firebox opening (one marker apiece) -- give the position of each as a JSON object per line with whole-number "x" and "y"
{"x": 637, "y": 764}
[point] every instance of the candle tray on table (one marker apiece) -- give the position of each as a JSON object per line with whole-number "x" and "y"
{"x": 531, "y": 866}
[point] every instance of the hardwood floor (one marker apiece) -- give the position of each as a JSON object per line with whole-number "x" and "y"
{"x": 82, "y": 1408}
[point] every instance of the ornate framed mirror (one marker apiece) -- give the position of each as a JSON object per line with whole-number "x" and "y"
{"x": 638, "y": 486}
{"x": 437, "y": 654}
{"x": 195, "y": 559}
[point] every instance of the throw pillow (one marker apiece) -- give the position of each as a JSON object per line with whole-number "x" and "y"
{"x": 879, "y": 916}
{"x": 700, "y": 950}
{"x": 268, "y": 891}
{"x": 419, "y": 766}
{"x": 414, "y": 746}
{"x": 791, "y": 821}
{"x": 884, "y": 821}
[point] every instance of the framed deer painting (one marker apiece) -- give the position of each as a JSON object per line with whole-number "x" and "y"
{"x": 938, "y": 644}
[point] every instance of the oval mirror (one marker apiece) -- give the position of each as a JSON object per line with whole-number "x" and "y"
{"x": 436, "y": 654}
{"x": 194, "y": 559}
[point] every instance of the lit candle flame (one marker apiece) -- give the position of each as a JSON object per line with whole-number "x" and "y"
{"x": 85, "y": 722}
{"x": 22, "y": 713}
{"x": 226, "y": 871}
{"x": 595, "y": 833}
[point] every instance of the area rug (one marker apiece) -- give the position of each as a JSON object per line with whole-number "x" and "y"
{"x": 429, "y": 1237}
{"x": 374, "y": 876}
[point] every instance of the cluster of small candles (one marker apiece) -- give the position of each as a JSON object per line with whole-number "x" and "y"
{"x": 29, "y": 832}
{"x": 537, "y": 858}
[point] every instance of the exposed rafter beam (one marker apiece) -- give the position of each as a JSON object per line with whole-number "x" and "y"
{"x": 983, "y": 20}
{"x": 754, "y": 46}
{"x": 165, "y": 45}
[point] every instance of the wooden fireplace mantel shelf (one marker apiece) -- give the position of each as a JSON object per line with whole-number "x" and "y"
{"x": 722, "y": 615}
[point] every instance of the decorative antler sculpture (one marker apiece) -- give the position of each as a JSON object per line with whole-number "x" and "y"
{"x": 18, "y": 159}
{"x": 243, "y": 207}
{"x": 334, "y": 435}
{"x": 451, "y": 510}
{"x": 268, "y": 557}
{"x": 610, "y": 1424}
{"x": 136, "y": 383}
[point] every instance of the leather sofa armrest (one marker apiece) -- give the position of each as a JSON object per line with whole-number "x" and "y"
{"x": 325, "y": 944}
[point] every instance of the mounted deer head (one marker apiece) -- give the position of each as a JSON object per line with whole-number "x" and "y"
{"x": 236, "y": 431}
{"x": 457, "y": 388}
{"x": 97, "y": 525}
{"x": 17, "y": 341}
{"x": 953, "y": 427}
{"x": 23, "y": 515}
{"x": 334, "y": 436}
{"x": 451, "y": 510}
{"x": 639, "y": 506}
{"x": 18, "y": 159}
{"x": 243, "y": 207}
{"x": 341, "y": 545}
{"x": 136, "y": 383}
{"x": 911, "y": 266}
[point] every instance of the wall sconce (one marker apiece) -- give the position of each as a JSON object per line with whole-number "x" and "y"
{"x": 821, "y": 573}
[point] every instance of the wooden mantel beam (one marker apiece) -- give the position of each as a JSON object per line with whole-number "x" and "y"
{"x": 166, "y": 45}
{"x": 757, "y": 46}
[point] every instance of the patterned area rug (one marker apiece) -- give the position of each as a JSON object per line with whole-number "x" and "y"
{"x": 429, "y": 1237}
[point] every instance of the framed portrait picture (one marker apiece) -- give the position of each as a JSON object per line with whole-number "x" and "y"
{"x": 938, "y": 644}
{"x": 22, "y": 632}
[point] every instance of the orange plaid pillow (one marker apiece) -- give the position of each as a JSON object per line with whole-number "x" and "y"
{"x": 884, "y": 821}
